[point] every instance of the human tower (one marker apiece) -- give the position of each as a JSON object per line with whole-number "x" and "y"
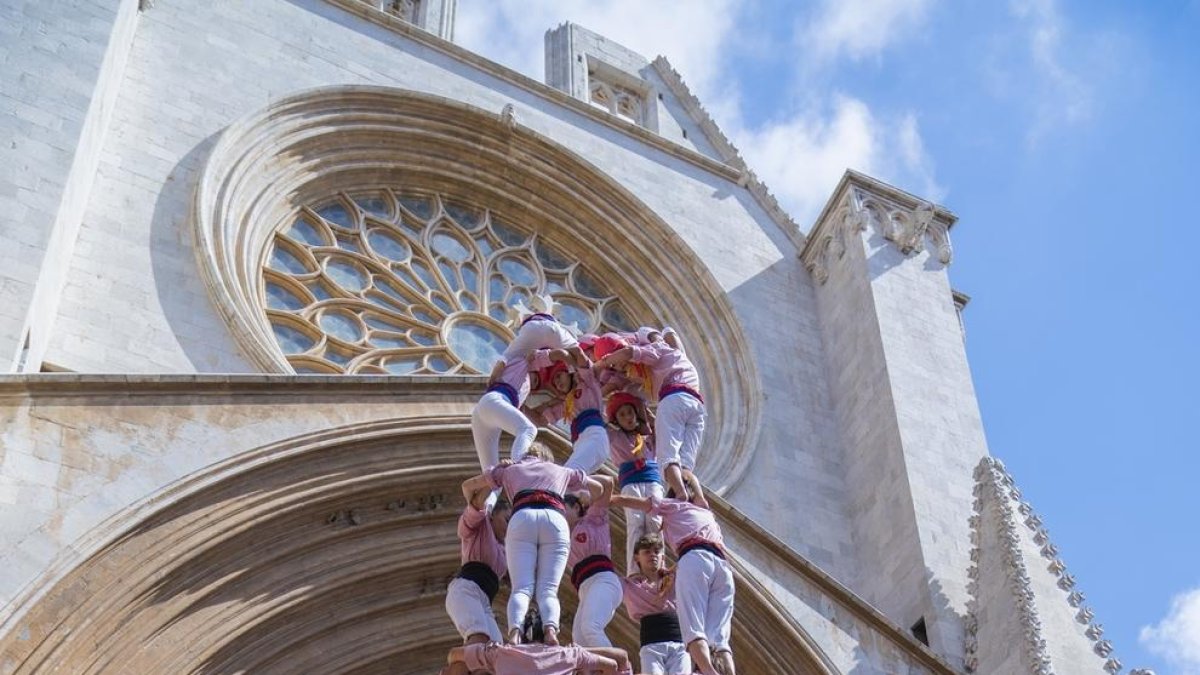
{"x": 554, "y": 519}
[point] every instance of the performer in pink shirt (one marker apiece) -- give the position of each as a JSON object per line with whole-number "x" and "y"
{"x": 591, "y": 566}
{"x": 469, "y": 596}
{"x": 703, "y": 579}
{"x": 508, "y": 384}
{"x": 538, "y": 540}
{"x": 535, "y": 659}
{"x": 679, "y": 423}
{"x": 649, "y": 593}
{"x": 631, "y": 447}
{"x": 579, "y": 403}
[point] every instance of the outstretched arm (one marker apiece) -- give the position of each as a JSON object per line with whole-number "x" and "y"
{"x": 608, "y": 660}
{"x": 631, "y": 502}
{"x": 618, "y": 358}
{"x": 473, "y": 487}
{"x": 696, "y": 491}
{"x": 595, "y": 488}
{"x": 606, "y": 492}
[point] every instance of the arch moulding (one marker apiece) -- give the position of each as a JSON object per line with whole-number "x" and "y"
{"x": 304, "y": 148}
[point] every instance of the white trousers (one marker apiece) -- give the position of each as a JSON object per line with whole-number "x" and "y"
{"x": 665, "y": 658}
{"x": 469, "y": 609}
{"x": 639, "y": 523}
{"x": 678, "y": 430}
{"x": 704, "y": 598}
{"x": 589, "y": 451}
{"x": 492, "y": 415}
{"x": 536, "y": 547}
{"x": 599, "y": 597}
{"x": 539, "y": 334}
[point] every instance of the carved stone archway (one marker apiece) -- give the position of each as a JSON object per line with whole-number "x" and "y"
{"x": 303, "y": 148}
{"x": 323, "y": 554}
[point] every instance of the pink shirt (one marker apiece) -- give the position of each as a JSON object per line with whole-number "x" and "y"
{"x": 667, "y": 366}
{"x": 684, "y": 520}
{"x": 516, "y": 375}
{"x": 642, "y": 597}
{"x": 532, "y": 473}
{"x": 621, "y": 382}
{"x": 590, "y": 536}
{"x": 479, "y": 543}
{"x": 622, "y": 443}
{"x": 530, "y": 659}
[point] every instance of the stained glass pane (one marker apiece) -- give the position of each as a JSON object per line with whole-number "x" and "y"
{"x": 375, "y": 206}
{"x": 508, "y": 234}
{"x": 306, "y": 232}
{"x": 341, "y": 326}
{"x": 388, "y": 246}
{"x": 279, "y": 297}
{"x": 409, "y": 295}
{"x": 401, "y": 365}
{"x": 518, "y": 272}
{"x": 467, "y": 217}
{"x": 347, "y": 275}
{"x": 291, "y": 340}
{"x": 284, "y": 261}
{"x": 421, "y": 207}
{"x": 551, "y": 258}
{"x": 476, "y": 345}
{"x": 585, "y": 285}
{"x": 470, "y": 278}
{"x": 449, "y": 246}
{"x": 570, "y": 313}
{"x": 338, "y": 215}
{"x": 449, "y": 274}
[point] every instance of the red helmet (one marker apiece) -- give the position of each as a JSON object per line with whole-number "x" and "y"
{"x": 546, "y": 375}
{"x": 587, "y": 341}
{"x": 607, "y": 344}
{"x": 619, "y": 399}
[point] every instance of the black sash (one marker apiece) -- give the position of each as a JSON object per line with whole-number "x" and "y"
{"x": 660, "y": 628}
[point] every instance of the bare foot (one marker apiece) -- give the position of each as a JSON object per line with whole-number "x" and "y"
{"x": 514, "y": 637}
{"x": 551, "y": 636}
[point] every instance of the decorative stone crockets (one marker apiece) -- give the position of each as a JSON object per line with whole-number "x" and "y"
{"x": 1042, "y": 611}
{"x": 860, "y": 202}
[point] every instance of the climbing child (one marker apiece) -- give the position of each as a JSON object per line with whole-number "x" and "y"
{"x": 578, "y": 404}
{"x": 591, "y": 566}
{"x": 469, "y": 596}
{"x": 631, "y": 447}
{"x": 649, "y": 595}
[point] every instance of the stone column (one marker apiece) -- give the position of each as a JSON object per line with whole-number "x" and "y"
{"x": 905, "y": 404}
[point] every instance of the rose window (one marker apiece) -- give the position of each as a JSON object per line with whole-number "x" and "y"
{"x": 395, "y": 282}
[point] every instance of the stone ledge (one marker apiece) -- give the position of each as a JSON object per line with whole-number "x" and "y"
{"x": 82, "y": 384}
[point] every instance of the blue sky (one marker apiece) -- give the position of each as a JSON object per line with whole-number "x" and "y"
{"x": 1065, "y": 135}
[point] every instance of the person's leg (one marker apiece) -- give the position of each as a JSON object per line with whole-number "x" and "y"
{"x": 669, "y": 425}
{"x": 515, "y": 422}
{"x": 677, "y": 659}
{"x": 652, "y": 660}
{"x": 693, "y": 432}
{"x": 719, "y": 618}
{"x": 554, "y": 543}
{"x": 589, "y": 451}
{"x": 521, "y": 553}
{"x": 485, "y": 429}
{"x": 602, "y": 596}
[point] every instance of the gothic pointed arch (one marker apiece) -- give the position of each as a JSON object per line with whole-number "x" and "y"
{"x": 366, "y": 230}
{"x": 326, "y": 553}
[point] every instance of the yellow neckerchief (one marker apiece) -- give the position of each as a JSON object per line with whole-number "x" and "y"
{"x": 569, "y": 404}
{"x": 639, "y": 446}
{"x": 641, "y": 372}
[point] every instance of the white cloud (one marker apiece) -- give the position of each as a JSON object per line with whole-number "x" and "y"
{"x": 1062, "y": 97}
{"x": 863, "y": 28}
{"x": 802, "y": 157}
{"x": 1177, "y": 637}
{"x": 801, "y": 153}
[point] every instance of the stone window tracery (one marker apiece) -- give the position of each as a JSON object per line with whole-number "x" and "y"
{"x": 620, "y": 101}
{"x": 404, "y": 282}
{"x": 405, "y": 9}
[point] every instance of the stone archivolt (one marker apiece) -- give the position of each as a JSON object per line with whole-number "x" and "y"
{"x": 327, "y": 553}
{"x": 302, "y": 149}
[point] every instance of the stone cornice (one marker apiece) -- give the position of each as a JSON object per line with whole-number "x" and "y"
{"x": 747, "y": 178}
{"x": 466, "y": 387}
{"x": 860, "y": 202}
{"x": 532, "y": 86}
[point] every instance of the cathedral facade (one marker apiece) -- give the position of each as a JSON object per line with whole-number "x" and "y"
{"x": 259, "y": 256}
